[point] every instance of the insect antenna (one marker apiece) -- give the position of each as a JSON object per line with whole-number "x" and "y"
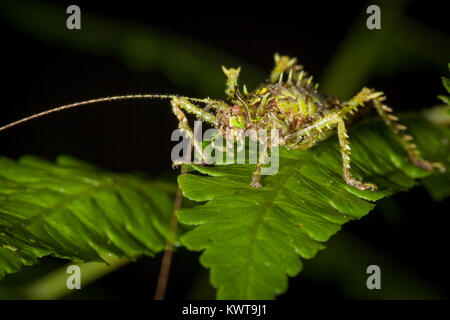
{"x": 100, "y": 100}
{"x": 247, "y": 111}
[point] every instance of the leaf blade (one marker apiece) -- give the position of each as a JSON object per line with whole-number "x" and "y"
{"x": 76, "y": 211}
{"x": 252, "y": 239}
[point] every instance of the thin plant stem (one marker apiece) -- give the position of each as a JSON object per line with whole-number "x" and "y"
{"x": 168, "y": 252}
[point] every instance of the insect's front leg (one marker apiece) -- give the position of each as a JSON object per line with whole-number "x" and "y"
{"x": 197, "y": 111}
{"x": 345, "y": 151}
{"x": 183, "y": 124}
{"x": 256, "y": 177}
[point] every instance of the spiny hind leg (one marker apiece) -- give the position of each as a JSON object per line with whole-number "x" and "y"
{"x": 407, "y": 141}
{"x": 184, "y": 125}
{"x": 345, "y": 151}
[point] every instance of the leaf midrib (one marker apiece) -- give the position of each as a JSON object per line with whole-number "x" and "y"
{"x": 281, "y": 181}
{"x": 117, "y": 180}
{"x": 45, "y": 212}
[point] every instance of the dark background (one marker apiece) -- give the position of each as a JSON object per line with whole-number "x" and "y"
{"x": 406, "y": 235}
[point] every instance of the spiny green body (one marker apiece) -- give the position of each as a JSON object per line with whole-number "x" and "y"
{"x": 288, "y": 106}
{"x": 290, "y": 103}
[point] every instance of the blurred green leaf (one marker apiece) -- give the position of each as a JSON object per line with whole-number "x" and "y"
{"x": 446, "y": 81}
{"x": 400, "y": 43}
{"x": 439, "y": 186}
{"x": 446, "y": 100}
{"x": 251, "y": 239}
{"x": 73, "y": 210}
{"x": 446, "y": 84}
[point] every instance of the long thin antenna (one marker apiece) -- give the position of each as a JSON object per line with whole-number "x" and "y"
{"x": 98, "y": 100}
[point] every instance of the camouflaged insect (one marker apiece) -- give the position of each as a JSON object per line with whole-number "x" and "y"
{"x": 289, "y": 102}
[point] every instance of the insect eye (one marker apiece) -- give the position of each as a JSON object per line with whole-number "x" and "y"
{"x": 235, "y": 110}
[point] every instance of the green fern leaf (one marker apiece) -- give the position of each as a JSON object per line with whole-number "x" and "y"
{"x": 446, "y": 83}
{"x": 76, "y": 211}
{"x": 252, "y": 238}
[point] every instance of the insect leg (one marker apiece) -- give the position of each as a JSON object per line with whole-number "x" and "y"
{"x": 366, "y": 95}
{"x": 256, "y": 177}
{"x": 345, "y": 151}
{"x": 407, "y": 141}
{"x": 183, "y": 124}
{"x": 298, "y": 146}
{"x": 197, "y": 111}
{"x": 376, "y": 99}
{"x": 314, "y": 132}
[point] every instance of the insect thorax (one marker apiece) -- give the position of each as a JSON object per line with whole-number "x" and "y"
{"x": 285, "y": 106}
